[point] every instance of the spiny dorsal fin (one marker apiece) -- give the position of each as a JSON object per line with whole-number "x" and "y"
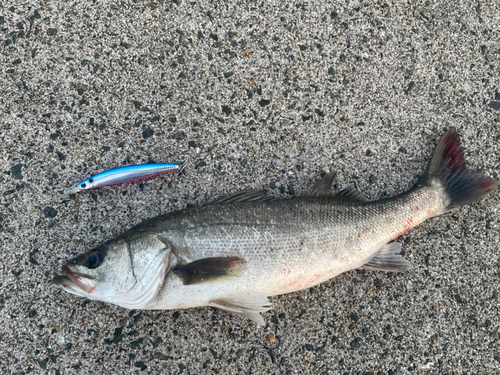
{"x": 210, "y": 270}
{"x": 243, "y": 196}
{"x": 351, "y": 194}
{"x": 249, "y": 305}
{"x": 322, "y": 188}
{"x": 388, "y": 259}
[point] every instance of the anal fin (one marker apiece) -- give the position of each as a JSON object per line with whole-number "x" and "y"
{"x": 388, "y": 259}
{"x": 249, "y": 305}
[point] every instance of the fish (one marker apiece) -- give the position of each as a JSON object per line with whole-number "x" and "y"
{"x": 122, "y": 175}
{"x": 236, "y": 252}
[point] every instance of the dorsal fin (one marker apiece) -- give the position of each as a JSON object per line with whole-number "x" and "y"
{"x": 322, "y": 188}
{"x": 351, "y": 194}
{"x": 243, "y": 196}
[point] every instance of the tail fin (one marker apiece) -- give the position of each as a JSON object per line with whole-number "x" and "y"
{"x": 448, "y": 165}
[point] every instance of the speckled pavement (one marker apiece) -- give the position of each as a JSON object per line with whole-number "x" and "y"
{"x": 251, "y": 95}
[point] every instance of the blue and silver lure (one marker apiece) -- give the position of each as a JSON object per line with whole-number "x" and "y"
{"x": 124, "y": 174}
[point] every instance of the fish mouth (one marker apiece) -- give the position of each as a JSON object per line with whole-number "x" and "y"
{"x": 74, "y": 282}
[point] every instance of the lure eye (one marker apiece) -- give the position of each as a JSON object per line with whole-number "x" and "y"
{"x": 84, "y": 185}
{"x": 91, "y": 180}
{"x": 94, "y": 259}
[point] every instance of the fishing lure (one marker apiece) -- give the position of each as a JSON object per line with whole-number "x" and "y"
{"x": 124, "y": 174}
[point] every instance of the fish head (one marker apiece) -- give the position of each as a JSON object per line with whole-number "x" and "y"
{"x": 126, "y": 271}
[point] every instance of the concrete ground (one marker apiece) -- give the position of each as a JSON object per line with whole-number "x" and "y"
{"x": 252, "y": 95}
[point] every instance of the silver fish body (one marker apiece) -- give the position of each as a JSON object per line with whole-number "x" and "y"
{"x": 289, "y": 245}
{"x": 234, "y": 254}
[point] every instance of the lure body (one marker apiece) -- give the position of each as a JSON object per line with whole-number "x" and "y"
{"x": 124, "y": 174}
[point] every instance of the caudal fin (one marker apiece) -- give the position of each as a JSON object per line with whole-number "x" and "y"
{"x": 448, "y": 165}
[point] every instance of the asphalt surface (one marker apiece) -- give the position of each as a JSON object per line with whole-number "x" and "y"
{"x": 251, "y": 95}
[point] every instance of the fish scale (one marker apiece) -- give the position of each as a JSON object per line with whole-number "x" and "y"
{"x": 319, "y": 239}
{"x": 234, "y": 253}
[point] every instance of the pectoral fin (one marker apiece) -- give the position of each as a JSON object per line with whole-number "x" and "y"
{"x": 388, "y": 259}
{"x": 250, "y": 306}
{"x": 210, "y": 270}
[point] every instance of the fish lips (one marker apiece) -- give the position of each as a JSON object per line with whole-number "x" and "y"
{"x": 74, "y": 282}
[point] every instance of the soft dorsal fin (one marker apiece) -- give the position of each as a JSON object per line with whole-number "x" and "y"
{"x": 351, "y": 194}
{"x": 388, "y": 259}
{"x": 242, "y": 196}
{"x": 322, "y": 188}
{"x": 210, "y": 270}
{"x": 249, "y": 305}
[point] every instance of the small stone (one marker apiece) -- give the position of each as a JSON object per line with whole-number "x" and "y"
{"x": 361, "y": 123}
{"x": 228, "y": 74}
{"x": 135, "y": 344}
{"x": 51, "y": 32}
{"x": 49, "y": 211}
{"x": 16, "y": 171}
{"x": 270, "y": 337}
{"x": 192, "y": 144}
{"x": 355, "y": 343}
{"x": 264, "y": 102}
{"x": 378, "y": 283}
{"x": 200, "y": 164}
{"x": 226, "y": 110}
{"x": 369, "y": 152}
{"x": 309, "y": 347}
{"x": 137, "y": 317}
{"x": 60, "y": 155}
{"x": 141, "y": 365}
{"x": 106, "y": 148}
{"x": 402, "y": 150}
{"x": 147, "y": 133}
{"x": 161, "y": 356}
{"x": 331, "y": 71}
{"x": 410, "y": 87}
{"x": 427, "y": 259}
{"x": 243, "y": 162}
{"x": 179, "y": 135}
{"x": 319, "y": 113}
{"x": 32, "y": 314}
{"x": 494, "y": 105}
{"x": 43, "y": 364}
{"x": 372, "y": 178}
{"x": 334, "y": 15}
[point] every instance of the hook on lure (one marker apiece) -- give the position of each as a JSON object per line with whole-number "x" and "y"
{"x": 125, "y": 174}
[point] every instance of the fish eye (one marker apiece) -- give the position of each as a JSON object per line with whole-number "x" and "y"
{"x": 84, "y": 185}
{"x": 94, "y": 259}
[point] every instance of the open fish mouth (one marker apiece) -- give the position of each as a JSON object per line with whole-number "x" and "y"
{"x": 72, "y": 282}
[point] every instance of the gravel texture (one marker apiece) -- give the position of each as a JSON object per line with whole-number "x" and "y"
{"x": 251, "y": 95}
